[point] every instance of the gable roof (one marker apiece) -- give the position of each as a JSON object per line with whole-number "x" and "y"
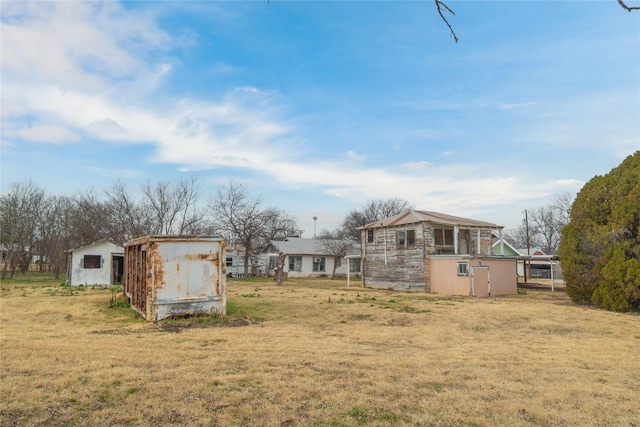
{"x": 416, "y": 216}
{"x": 532, "y": 251}
{"x": 509, "y": 249}
{"x": 299, "y": 246}
{"x": 101, "y": 242}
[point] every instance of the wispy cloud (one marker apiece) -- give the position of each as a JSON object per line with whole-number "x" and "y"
{"x": 520, "y": 105}
{"x": 99, "y": 72}
{"x": 51, "y": 134}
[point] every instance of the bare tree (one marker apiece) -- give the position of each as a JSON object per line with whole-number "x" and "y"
{"x": 173, "y": 208}
{"x": 55, "y": 232}
{"x": 335, "y": 245}
{"x": 562, "y": 204}
{"x": 277, "y": 224}
{"x": 127, "y": 218}
{"x": 47, "y": 230}
{"x": 373, "y": 210}
{"x": 19, "y": 215}
{"x": 89, "y": 219}
{"x": 545, "y": 225}
{"x": 519, "y": 238}
{"x": 243, "y": 220}
{"x": 60, "y": 221}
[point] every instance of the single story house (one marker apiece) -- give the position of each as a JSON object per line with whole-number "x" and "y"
{"x": 99, "y": 263}
{"x": 425, "y": 251}
{"x": 305, "y": 258}
{"x": 235, "y": 263}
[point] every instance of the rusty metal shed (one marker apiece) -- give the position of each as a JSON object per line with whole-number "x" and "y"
{"x": 169, "y": 275}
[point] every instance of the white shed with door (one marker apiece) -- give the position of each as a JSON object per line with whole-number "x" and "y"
{"x": 99, "y": 263}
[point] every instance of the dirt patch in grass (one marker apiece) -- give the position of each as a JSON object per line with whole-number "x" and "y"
{"x": 186, "y": 324}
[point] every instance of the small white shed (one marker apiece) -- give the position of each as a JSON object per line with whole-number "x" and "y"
{"x": 99, "y": 263}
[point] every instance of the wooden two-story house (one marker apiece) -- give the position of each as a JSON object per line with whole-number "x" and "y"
{"x": 424, "y": 251}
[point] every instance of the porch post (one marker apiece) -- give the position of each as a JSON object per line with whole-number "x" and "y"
{"x": 456, "y": 231}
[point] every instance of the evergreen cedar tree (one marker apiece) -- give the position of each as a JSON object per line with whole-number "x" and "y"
{"x": 600, "y": 247}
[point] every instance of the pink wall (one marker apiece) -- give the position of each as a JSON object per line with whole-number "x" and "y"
{"x": 445, "y": 280}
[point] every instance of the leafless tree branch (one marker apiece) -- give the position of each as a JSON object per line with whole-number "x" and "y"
{"x": 628, "y": 8}
{"x": 440, "y": 5}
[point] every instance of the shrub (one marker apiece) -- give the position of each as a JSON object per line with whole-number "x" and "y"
{"x": 600, "y": 247}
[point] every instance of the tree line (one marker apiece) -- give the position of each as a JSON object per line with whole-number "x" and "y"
{"x": 34, "y": 223}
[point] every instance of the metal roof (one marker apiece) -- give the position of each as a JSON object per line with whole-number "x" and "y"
{"x": 301, "y": 246}
{"x": 96, "y": 243}
{"x": 415, "y": 217}
{"x": 172, "y": 237}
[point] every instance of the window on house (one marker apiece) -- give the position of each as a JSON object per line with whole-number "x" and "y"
{"x": 229, "y": 261}
{"x": 443, "y": 236}
{"x": 295, "y": 263}
{"x": 406, "y": 238}
{"x": 354, "y": 265}
{"x": 92, "y": 261}
{"x": 370, "y": 236}
{"x": 273, "y": 262}
{"x": 411, "y": 237}
{"x": 463, "y": 269}
{"x": 318, "y": 263}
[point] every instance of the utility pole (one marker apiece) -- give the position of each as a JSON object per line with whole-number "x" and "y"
{"x": 527, "y": 265}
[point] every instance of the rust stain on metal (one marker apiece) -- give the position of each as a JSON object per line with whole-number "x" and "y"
{"x": 157, "y": 290}
{"x": 214, "y": 257}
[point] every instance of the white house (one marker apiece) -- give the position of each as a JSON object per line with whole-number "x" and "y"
{"x": 99, "y": 263}
{"x": 304, "y": 258}
{"x": 235, "y": 263}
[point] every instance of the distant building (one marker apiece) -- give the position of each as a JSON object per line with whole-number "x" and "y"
{"x": 534, "y": 260}
{"x": 99, "y": 263}
{"x": 305, "y": 258}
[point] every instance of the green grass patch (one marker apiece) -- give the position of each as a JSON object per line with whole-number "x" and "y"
{"x": 32, "y": 277}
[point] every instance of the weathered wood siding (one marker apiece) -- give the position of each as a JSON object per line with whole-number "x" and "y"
{"x": 387, "y": 265}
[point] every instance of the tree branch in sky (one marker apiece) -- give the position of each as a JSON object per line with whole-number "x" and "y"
{"x": 440, "y": 5}
{"x": 628, "y": 8}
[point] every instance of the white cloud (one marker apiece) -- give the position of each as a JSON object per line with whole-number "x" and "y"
{"x": 519, "y": 105}
{"x": 94, "y": 68}
{"x": 115, "y": 172}
{"x": 352, "y": 155}
{"x": 412, "y": 166}
{"x": 46, "y": 133}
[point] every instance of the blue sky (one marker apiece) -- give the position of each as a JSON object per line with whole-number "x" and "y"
{"x": 320, "y": 106}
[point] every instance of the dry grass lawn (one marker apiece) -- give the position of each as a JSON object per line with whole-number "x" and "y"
{"x": 316, "y": 352}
